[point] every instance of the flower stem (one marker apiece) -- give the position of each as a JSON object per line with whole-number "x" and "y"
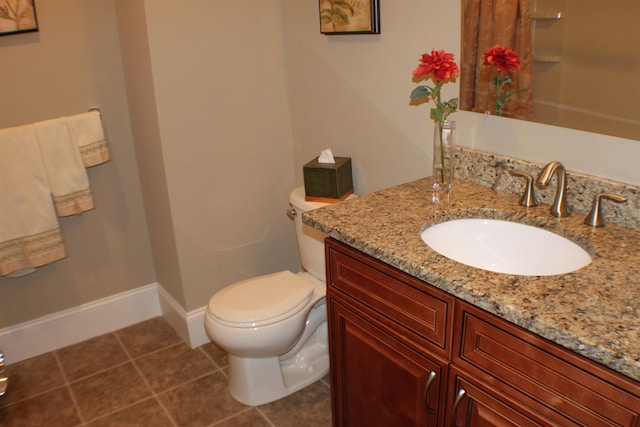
{"x": 499, "y": 100}
{"x": 441, "y": 131}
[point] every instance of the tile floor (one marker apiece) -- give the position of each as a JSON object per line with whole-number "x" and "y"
{"x": 144, "y": 375}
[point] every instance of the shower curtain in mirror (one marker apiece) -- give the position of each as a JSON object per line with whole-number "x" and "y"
{"x": 487, "y": 23}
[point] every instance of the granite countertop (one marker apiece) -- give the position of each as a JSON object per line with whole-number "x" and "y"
{"x": 594, "y": 311}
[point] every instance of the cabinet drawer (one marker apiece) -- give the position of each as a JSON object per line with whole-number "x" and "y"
{"x": 410, "y": 303}
{"x": 582, "y": 391}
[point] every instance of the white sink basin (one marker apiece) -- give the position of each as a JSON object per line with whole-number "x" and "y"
{"x": 505, "y": 247}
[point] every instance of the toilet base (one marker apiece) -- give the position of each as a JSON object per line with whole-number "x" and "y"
{"x": 256, "y": 381}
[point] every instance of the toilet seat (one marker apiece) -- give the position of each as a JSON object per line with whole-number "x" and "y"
{"x": 261, "y": 300}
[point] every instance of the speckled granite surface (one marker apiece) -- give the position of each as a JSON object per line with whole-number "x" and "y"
{"x": 491, "y": 170}
{"x": 594, "y": 311}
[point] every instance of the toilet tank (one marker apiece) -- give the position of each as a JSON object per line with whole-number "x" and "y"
{"x": 310, "y": 241}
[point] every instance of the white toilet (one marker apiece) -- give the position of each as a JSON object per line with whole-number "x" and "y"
{"x": 274, "y": 327}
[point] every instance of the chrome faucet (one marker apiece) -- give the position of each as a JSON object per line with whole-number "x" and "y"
{"x": 560, "y": 207}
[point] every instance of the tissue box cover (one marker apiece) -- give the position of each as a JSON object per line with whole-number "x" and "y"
{"x": 328, "y": 182}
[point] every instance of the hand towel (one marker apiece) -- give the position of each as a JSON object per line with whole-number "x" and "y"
{"x": 64, "y": 168}
{"x": 29, "y": 231}
{"x": 87, "y": 132}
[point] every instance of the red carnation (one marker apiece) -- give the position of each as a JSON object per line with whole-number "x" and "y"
{"x": 440, "y": 63}
{"x": 502, "y": 57}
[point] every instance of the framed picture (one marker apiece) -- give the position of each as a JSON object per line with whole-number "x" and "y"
{"x": 17, "y": 16}
{"x": 349, "y": 17}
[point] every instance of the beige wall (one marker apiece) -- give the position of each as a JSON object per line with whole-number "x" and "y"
{"x": 352, "y": 93}
{"x": 73, "y": 63}
{"x": 136, "y": 59}
{"x": 224, "y": 101}
{"x": 217, "y": 70}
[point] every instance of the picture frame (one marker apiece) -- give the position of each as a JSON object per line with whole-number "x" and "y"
{"x": 349, "y": 17}
{"x": 17, "y": 16}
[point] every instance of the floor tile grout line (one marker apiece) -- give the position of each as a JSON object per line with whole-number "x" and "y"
{"x": 102, "y": 371}
{"x": 154, "y": 395}
{"x": 221, "y": 368}
{"x": 173, "y": 388}
{"x": 231, "y": 417}
{"x": 158, "y": 396}
{"x": 132, "y": 358}
{"x": 37, "y": 393}
{"x": 31, "y": 396}
{"x": 122, "y": 346}
{"x": 263, "y": 415}
{"x": 74, "y": 400}
{"x": 122, "y": 408}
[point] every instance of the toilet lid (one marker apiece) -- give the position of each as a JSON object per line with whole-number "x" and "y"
{"x": 261, "y": 300}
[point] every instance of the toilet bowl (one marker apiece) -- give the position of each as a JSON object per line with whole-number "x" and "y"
{"x": 274, "y": 327}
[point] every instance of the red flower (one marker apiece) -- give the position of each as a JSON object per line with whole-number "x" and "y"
{"x": 440, "y": 63}
{"x": 502, "y": 57}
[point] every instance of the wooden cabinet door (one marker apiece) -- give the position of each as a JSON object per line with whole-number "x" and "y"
{"x": 377, "y": 379}
{"x": 554, "y": 382}
{"x": 474, "y": 405}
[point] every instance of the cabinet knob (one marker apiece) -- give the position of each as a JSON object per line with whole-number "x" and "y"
{"x": 425, "y": 394}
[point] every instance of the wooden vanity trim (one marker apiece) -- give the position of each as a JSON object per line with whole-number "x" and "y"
{"x": 422, "y": 310}
{"x": 562, "y": 381}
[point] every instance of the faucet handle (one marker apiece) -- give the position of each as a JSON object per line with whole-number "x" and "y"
{"x": 528, "y": 198}
{"x": 595, "y": 219}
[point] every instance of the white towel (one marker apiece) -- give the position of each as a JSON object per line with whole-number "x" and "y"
{"x": 29, "y": 231}
{"x": 87, "y": 132}
{"x": 65, "y": 170}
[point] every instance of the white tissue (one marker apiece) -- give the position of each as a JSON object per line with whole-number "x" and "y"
{"x": 326, "y": 156}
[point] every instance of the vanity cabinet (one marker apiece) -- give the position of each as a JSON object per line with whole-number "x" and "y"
{"x": 404, "y": 353}
{"x": 557, "y": 385}
{"x": 389, "y": 343}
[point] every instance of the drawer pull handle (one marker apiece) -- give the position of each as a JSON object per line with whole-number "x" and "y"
{"x": 425, "y": 395}
{"x": 456, "y": 403}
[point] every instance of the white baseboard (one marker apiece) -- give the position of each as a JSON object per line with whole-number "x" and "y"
{"x": 189, "y": 325}
{"x": 79, "y": 323}
{"x": 57, "y": 330}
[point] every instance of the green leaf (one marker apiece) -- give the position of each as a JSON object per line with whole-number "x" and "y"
{"x": 436, "y": 114}
{"x": 420, "y": 92}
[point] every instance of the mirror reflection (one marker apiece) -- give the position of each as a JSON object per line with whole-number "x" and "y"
{"x": 579, "y": 62}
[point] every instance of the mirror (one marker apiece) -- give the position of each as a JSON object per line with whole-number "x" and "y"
{"x": 580, "y": 61}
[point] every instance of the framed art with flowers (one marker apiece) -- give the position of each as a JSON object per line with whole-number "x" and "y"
{"x": 349, "y": 17}
{"x": 17, "y": 16}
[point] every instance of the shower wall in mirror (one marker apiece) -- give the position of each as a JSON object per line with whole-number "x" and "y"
{"x": 580, "y": 61}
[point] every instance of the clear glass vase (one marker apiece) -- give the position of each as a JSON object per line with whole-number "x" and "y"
{"x": 444, "y": 141}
